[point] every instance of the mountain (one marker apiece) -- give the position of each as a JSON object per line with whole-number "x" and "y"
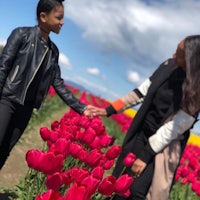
{"x": 76, "y": 85}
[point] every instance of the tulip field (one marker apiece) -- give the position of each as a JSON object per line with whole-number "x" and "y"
{"x": 79, "y": 153}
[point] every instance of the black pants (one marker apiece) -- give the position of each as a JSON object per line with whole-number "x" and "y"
{"x": 141, "y": 185}
{"x": 13, "y": 121}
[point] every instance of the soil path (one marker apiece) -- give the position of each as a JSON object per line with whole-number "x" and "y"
{"x": 15, "y": 167}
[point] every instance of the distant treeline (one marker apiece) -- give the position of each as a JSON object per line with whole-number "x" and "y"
{"x": 1, "y": 47}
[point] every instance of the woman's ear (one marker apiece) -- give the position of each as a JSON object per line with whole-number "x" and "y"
{"x": 43, "y": 17}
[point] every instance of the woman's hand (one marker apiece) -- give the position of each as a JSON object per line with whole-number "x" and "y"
{"x": 100, "y": 111}
{"x": 94, "y": 111}
{"x": 89, "y": 111}
{"x": 138, "y": 167}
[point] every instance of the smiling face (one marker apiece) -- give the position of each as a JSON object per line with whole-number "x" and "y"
{"x": 52, "y": 21}
{"x": 179, "y": 55}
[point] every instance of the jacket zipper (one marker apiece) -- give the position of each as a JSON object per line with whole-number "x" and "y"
{"x": 35, "y": 72}
{"x": 14, "y": 74}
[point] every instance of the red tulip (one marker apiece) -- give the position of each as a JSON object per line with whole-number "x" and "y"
{"x": 113, "y": 152}
{"x": 96, "y": 143}
{"x": 50, "y": 195}
{"x": 61, "y": 146}
{"x": 55, "y": 124}
{"x": 195, "y": 186}
{"x": 67, "y": 177}
{"x": 185, "y": 172}
{"x": 79, "y": 135}
{"x": 54, "y": 181}
{"x": 129, "y": 159}
{"x": 78, "y": 174}
{"x": 94, "y": 158}
{"x": 91, "y": 184}
{"x": 98, "y": 172}
{"x": 74, "y": 149}
{"x": 33, "y": 158}
{"x": 106, "y": 140}
{"x": 82, "y": 155}
{"x": 54, "y": 136}
{"x": 76, "y": 192}
{"x": 123, "y": 183}
{"x": 51, "y": 163}
{"x": 89, "y": 136}
{"x": 107, "y": 186}
{"x": 45, "y": 133}
{"x": 108, "y": 164}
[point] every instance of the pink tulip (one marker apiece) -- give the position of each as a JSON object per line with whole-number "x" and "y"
{"x": 129, "y": 159}
{"x": 113, "y": 152}
{"x": 107, "y": 186}
{"x": 54, "y": 181}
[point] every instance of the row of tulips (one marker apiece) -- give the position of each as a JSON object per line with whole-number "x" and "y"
{"x": 79, "y": 152}
{"x": 77, "y": 156}
{"x": 188, "y": 171}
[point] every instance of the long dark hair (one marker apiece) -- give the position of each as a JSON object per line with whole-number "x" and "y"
{"x": 191, "y": 85}
{"x": 47, "y": 6}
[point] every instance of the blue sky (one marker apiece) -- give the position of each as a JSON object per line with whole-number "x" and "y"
{"x": 111, "y": 46}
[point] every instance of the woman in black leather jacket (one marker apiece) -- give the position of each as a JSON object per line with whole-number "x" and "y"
{"x": 28, "y": 66}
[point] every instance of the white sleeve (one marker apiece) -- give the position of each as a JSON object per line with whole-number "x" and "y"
{"x": 143, "y": 88}
{"x": 180, "y": 123}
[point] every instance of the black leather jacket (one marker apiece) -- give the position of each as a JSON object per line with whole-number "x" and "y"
{"x": 19, "y": 62}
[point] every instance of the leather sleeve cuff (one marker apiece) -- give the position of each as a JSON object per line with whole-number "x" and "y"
{"x": 147, "y": 154}
{"x": 110, "y": 110}
{"x": 139, "y": 94}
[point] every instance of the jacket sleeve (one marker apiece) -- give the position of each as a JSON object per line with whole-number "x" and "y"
{"x": 8, "y": 55}
{"x": 65, "y": 94}
{"x": 129, "y": 100}
{"x": 171, "y": 130}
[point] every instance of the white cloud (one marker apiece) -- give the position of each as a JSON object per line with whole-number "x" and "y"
{"x": 2, "y": 42}
{"x": 144, "y": 33}
{"x": 64, "y": 61}
{"x": 133, "y": 77}
{"x": 93, "y": 71}
{"x": 94, "y": 88}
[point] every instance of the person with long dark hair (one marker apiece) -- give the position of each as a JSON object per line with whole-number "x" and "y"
{"x": 160, "y": 130}
{"x": 28, "y": 67}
